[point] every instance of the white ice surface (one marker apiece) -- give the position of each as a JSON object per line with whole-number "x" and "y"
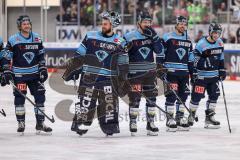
{"x": 197, "y": 144}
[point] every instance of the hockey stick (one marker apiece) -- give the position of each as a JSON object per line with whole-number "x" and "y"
{"x": 142, "y": 95}
{"x": 225, "y": 103}
{"x": 50, "y": 119}
{"x": 175, "y": 93}
{"x": 3, "y": 113}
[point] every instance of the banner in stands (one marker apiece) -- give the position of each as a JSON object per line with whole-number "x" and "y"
{"x": 73, "y": 33}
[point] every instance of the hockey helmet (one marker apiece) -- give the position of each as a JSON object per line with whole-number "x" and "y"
{"x": 23, "y": 18}
{"x": 113, "y": 17}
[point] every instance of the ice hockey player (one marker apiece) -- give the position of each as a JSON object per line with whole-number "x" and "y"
{"x": 143, "y": 42}
{"x": 209, "y": 64}
{"x": 101, "y": 57}
{"x": 178, "y": 62}
{"x": 1, "y": 44}
{"x": 28, "y": 70}
{"x": 1, "y": 56}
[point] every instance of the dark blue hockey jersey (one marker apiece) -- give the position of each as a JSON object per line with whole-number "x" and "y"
{"x": 1, "y": 44}
{"x": 209, "y": 58}
{"x": 1, "y": 53}
{"x": 178, "y": 59}
{"x": 1, "y": 48}
{"x": 108, "y": 51}
{"x": 141, "y": 52}
{"x": 26, "y": 56}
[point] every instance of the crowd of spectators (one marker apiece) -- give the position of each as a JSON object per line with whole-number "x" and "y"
{"x": 197, "y": 11}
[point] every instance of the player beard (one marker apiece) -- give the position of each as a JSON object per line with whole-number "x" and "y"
{"x": 181, "y": 30}
{"x": 106, "y": 31}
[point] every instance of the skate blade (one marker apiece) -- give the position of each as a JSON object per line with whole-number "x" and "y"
{"x": 21, "y": 133}
{"x": 39, "y": 132}
{"x": 81, "y": 132}
{"x": 150, "y": 133}
{"x": 108, "y": 135}
{"x": 209, "y": 126}
{"x": 133, "y": 134}
{"x": 179, "y": 128}
{"x": 171, "y": 129}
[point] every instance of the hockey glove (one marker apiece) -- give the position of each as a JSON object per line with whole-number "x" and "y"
{"x": 193, "y": 78}
{"x": 222, "y": 75}
{"x": 6, "y": 77}
{"x": 43, "y": 74}
{"x": 150, "y": 32}
{"x": 161, "y": 72}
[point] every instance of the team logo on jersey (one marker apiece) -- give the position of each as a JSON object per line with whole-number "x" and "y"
{"x": 101, "y": 55}
{"x": 29, "y": 56}
{"x": 181, "y": 53}
{"x": 144, "y": 52}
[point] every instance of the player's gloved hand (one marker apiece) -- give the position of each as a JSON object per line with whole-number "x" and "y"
{"x": 43, "y": 74}
{"x": 150, "y": 32}
{"x": 122, "y": 87}
{"x": 193, "y": 78}
{"x": 222, "y": 75}
{"x": 161, "y": 72}
{"x": 6, "y": 77}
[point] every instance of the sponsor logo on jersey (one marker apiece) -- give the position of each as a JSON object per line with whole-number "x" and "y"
{"x": 216, "y": 51}
{"x": 31, "y": 46}
{"x": 199, "y": 89}
{"x": 108, "y": 46}
{"x": 136, "y": 88}
{"x": 181, "y": 43}
{"x": 22, "y": 86}
{"x": 174, "y": 86}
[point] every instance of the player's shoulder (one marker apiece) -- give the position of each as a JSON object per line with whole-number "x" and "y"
{"x": 93, "y": 34}
{"x": 202, "y": 44}
{"x": 188, "y": 37}
{"x": 119, "y": 40}
{"x": 220, "y": 42}
{"x": 132, "y": 35}
{"x": 36, "y": 37}
{"x": 34, "y": 34}
{"x": 14, "y": 38}
{"x": 167, "y": 36}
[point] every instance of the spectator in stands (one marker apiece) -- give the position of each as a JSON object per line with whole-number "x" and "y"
{"x": 157, "y": 14}
{"x": 65, "y": 17}
{"x": 222, "y": 7}
{"x": 181, "y": 9}
{"x": 199, "y": 36}
{"x": 232, "y": 38}
{"x": 73, "y": 12}
{"x": 238, "y": 35}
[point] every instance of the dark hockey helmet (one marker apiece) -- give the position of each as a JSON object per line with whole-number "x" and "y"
{"x": 113, "y": 17}
{"x": 215, "y": 27}
{"x": 181, "y": 19}
{"x": 144, "y": 15}
{"x": 21, "y": 19}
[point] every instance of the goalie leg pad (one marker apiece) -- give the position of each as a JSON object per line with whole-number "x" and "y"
{"x": 108, "y": 110}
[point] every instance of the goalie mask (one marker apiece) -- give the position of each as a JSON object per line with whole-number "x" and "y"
{"x": 113, "y": 17}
